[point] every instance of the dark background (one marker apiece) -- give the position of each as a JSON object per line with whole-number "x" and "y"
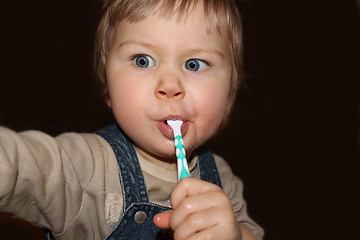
{"x": 293, "y": 138}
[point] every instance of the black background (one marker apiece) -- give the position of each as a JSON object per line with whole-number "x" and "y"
{"x": 293, "y": 137}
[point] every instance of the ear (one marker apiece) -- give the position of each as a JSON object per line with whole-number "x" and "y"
{"x": 108, "y": 103}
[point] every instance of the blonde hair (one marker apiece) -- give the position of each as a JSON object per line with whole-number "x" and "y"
{"x": 115, "y": 11}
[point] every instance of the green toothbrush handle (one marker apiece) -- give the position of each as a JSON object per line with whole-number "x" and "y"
{"x": 181, "y": 158}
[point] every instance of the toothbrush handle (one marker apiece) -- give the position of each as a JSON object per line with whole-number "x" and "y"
{"x": 183, "y": 170}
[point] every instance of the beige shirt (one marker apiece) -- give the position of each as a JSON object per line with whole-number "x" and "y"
{"x": 70, "y": 183}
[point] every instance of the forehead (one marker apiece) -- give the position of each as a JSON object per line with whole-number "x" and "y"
{"x": 194, "y": 30}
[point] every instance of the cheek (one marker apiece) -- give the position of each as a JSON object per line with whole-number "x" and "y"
{"x": 121, "y": 99}
{"x": 216, "y": 109}
{"x": 122, "y": 86}
{"x": 211, "y": 107}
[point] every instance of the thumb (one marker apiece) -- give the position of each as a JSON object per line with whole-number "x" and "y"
{"x": 162, "y": 220}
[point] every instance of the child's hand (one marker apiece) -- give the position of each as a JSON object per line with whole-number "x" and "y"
{"x": 201, "y": 210}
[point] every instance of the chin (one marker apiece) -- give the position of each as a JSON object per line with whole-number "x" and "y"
{"x": 168, "y": 154}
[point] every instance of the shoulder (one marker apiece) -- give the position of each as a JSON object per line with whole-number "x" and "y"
{"x": 225, "y": 170}
{"x": 85, "y": 144}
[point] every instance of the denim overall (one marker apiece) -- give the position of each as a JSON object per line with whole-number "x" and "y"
{"x": 138, "y": 213}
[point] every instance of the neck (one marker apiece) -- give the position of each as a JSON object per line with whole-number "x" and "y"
{"x": 168, "y": 163}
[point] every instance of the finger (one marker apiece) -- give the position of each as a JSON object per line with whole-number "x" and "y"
{"x": 196, "y": 203}
{"x": 210, "y": 234}
{"x": 189, "y": 187}
{"x": 162, "y": 220}
{"x": 213, "y": 233}
{"x": 196, "y": 223}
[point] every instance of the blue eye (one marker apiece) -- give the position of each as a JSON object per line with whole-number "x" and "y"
{"x": 195, "y": 64}
{"x": 144, "y": 61}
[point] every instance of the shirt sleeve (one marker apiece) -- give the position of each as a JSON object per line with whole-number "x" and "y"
{"x": 233, "y": 187}
{"x": 59, "y": 183}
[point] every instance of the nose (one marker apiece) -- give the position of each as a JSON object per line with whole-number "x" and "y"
{"x": 169, "y": 87}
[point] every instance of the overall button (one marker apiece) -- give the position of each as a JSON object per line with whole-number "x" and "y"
{"x": 140, "y": 217}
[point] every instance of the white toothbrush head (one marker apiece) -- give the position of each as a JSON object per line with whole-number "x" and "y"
{"x": 176, "y": 126}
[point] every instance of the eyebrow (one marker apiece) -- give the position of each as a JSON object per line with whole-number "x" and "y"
{"x": 134, "y": 42}
{"x": 207, "y": 50}
{"x": 191, "y": 50}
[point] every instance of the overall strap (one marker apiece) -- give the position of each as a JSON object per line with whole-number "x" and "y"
{"x": 207, "y": 166}
{"x": 131, "y": 177}
{"x": 138, "y": 212}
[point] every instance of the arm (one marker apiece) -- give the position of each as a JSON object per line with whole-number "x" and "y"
{"x": 233, "y": 187}
{"x": 53, "y": 182}
{"x": 246, "y": 234}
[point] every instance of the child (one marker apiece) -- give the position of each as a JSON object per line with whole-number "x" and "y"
{"x": 157, "y": 61}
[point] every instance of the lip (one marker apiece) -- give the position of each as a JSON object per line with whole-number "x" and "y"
{"x": 167, "y": 131}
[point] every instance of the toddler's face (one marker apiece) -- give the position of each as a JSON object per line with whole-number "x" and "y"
{"x": 160, "y": 69}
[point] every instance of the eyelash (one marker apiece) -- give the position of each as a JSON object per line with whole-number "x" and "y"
{"x": 200, "y": 64}
{"x": 134, "y": 57}
{"x": 149, "y": 60}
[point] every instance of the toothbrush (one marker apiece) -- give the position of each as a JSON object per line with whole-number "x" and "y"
{"x": 183, "y": 170}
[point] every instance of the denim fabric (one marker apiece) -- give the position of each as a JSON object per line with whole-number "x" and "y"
{"x": 48, "y": 235}
{"x": 134, "y": 190}
{"x": 207, "y": 166}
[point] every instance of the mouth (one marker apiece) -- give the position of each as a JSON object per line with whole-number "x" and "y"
{"x": 167, "y": 131}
